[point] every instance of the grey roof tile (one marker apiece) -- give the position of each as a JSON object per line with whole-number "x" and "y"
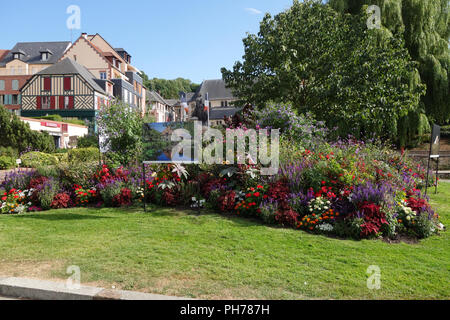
{"x": 33, "y": 51}
{"x": 216, "y": 90}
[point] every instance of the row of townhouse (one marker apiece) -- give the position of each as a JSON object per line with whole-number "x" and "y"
{"x": 71, "y": 80}
{"x": 220, "y": 98}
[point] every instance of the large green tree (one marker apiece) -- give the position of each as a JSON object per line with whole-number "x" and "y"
{"x": 424, "y": 25}
{"x": 17, "y": 134}
{"x": 169, "y": 89}
{"x": 332, "y": 65}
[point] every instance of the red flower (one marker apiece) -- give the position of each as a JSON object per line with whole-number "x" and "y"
{"x": 257, "y": 194}
{"x": 4, "y": 199}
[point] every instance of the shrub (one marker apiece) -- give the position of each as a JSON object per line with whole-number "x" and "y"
{"x": 89, "y": 141}
{"x": 286, "y": 216}
{"x": 84, "y": 155}
{"x": 62, "y": 156}
{"x": 122, "y": 128}
{"x": 226, "y": 201}
{"x": 36, "y": 159}
{"x": 61, "y": 201}
{"x": 124, "y": 198}
{"x": 77, "y": 173}
{"x": 7, "y": 162}
{"x": 374, "y": 219}
{"x": 9, "y": 152}
{"x": 423, "y": 227}
{"x": 349, "y": 228}
{"x": 267, "y": 211}
{"x": 84, "y": 196}
{"x": 109, "y": 190}
{"x": 301, "y": 128}
{"x": 46, "y": 193}
{"x": 190, "y": 189}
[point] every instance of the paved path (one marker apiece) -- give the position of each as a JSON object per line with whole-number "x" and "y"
{"x": 33, "y": 289}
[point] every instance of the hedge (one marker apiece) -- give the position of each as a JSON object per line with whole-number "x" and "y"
{"x": 36, "y": 159}
{"x": 7, "y": 162}
{"x": 84, "y": 155}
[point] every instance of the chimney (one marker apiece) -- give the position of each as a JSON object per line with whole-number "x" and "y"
{"x": 84, "y": 35}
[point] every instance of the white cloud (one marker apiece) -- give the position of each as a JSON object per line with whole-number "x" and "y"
{"x": 253, "y": 11}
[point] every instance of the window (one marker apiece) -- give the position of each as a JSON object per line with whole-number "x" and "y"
{"x": 2, "y": 84}
{"x": 15, "y": 85}
{"x": 47, "y": 84}
{"x": 19, "y": 70}
{"x": 17, "y": 56}
{"x": 67, "y": 83}
{"x": 66, "y": 102}
{"x": 13, "y": 71}
{"x": 103, "y": 75}
{"x": 44, "y": 56}
{"x": 15, "y": 99}
{"x": 2, "y": 99}
{"x": 45, "y": 102}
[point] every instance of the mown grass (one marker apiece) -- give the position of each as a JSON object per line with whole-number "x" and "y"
{"x": 210, "y": 256}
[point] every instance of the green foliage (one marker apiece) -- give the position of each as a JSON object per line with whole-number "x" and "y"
{"x": 57, "y": 117}
{"x": 121, "y": 127}
{"x": 88, "y": 141}
{"x": 47, "y": 192}
{"x": 111, "y": 190}
{"x": 37, "y": 159}
{"x": 169, "y": 89}
{"x": 9, "y": 152}
{"x": 7, "y": 162}
{"x": 77, "y": 173}
{"x": 331, "y": 65}
{"x": 83, "y": 155}
{"x": 18, "y": 135}
{"x": 424, "y": 27}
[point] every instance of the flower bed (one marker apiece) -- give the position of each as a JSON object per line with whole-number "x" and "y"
{"x": 348, "y": 189}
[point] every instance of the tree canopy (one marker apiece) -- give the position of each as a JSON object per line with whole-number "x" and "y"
{"x": 169, "y": 89}
{"x": 17, "y": 134}
{"x": 425, "y": 27}
{"x": 332, "y": 65}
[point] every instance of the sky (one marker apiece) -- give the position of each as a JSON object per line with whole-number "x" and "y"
{"x": 167, "y": 39}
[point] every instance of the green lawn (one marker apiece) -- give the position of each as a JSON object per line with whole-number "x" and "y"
{"x": 210, "y": 256}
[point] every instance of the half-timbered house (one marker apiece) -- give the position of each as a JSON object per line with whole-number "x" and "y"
{"x": 66, "y": 88}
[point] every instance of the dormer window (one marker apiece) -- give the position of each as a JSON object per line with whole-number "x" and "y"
{"x": 18, "y": 54}
{"x": 45, "y": 55}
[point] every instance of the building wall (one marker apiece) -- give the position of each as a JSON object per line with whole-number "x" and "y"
{"x": 218, "y": 103}
{"x": 19, "y": 67}
{"x": 100, "y": 43}
{"x": 9, "y": 97}
{"x": 82, "y": 93}
{"x": 64, "y": 131}
{"x": 85, "y": 55}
